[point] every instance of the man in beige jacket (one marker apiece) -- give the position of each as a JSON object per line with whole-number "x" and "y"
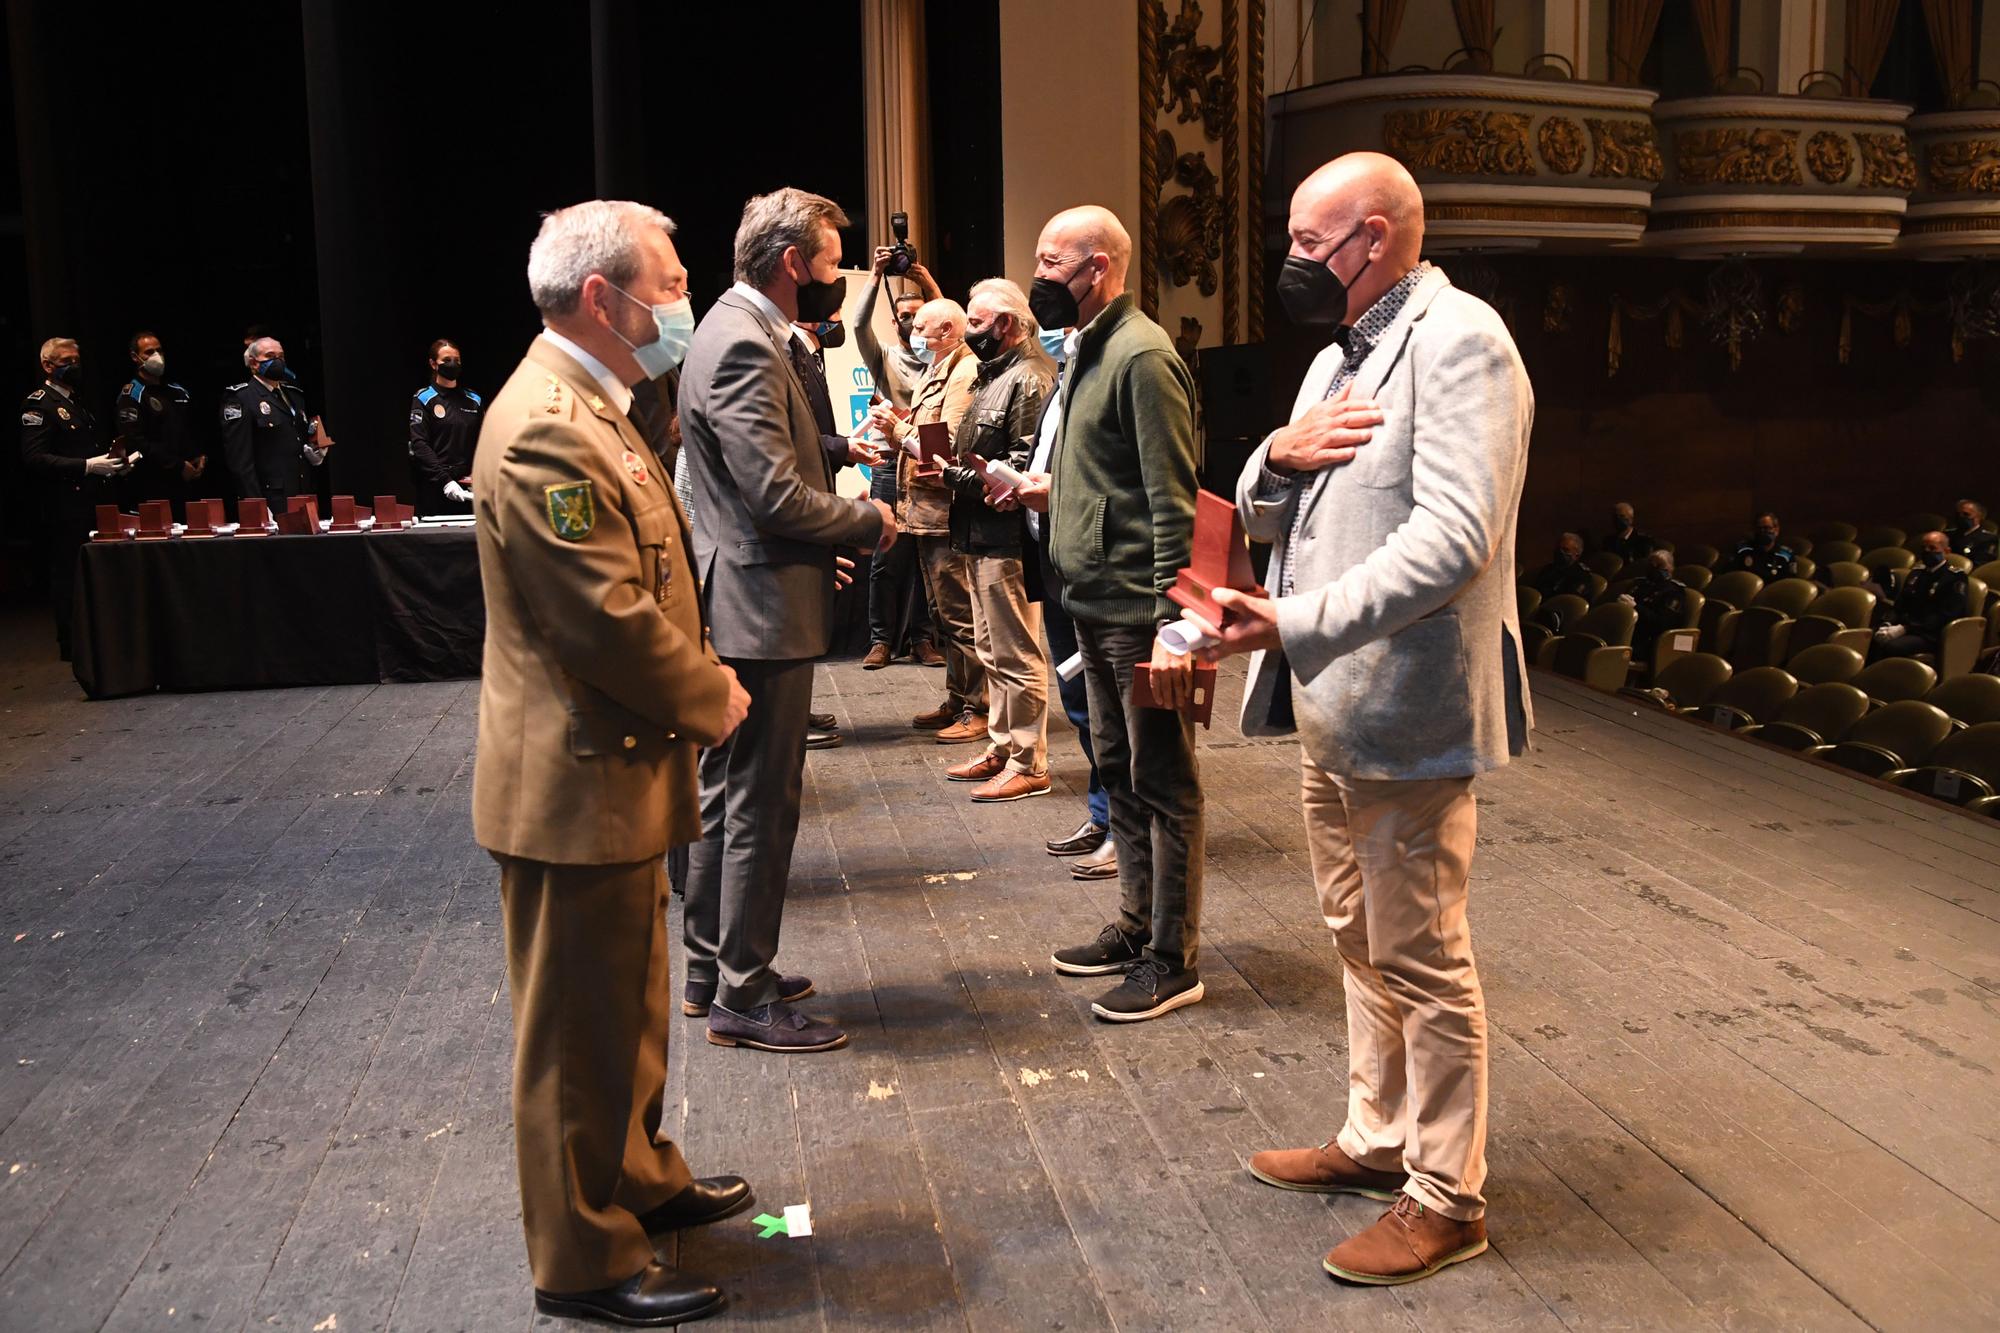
{"x": 598, "y": 687}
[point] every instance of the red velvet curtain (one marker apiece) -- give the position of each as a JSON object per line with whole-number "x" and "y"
{"x": 1475, "y": 30}
{"x": 1950, "y": 24}
{"x": 1381, "y": 20}
{"x": 1870, "y": 24}
{"x": 1715, "y": 19}
{"x": 1633, "y": 23}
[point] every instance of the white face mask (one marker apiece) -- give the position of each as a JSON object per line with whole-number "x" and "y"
{"x": 154, "y": 365}
{"x": 675, "y": 322}
{"x": 920, "y": 348}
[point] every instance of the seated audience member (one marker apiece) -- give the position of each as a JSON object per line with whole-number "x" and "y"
{"x": 1565, "y": 573}
{"x": 1661, "y": 601}
{"x": 1885, "y": 582}
{"x": 1763, "y": 554}
{"x": 1625, "y": 540}
{"x": 1933, "y": 595}
{"x": 1969, "y": 535}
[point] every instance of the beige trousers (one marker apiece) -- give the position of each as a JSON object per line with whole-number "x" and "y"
{"x": 948, "y": 581}
{"x": 1007, "y": 631}
{"x": 1390, "y": 860}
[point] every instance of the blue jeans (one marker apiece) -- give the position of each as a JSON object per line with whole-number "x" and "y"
{"x": 1075, "y": 697}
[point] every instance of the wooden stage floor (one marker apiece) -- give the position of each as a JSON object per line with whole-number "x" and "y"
{"x": 256, "y": 1057}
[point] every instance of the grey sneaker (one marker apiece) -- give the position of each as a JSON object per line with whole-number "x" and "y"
{"x": 1112, "y": 951}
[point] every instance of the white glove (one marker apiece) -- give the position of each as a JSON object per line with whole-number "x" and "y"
{"x": 1626, "y": 599}
{"x": 315, "y": 456}
{"x": 456, "y": 492}
{"x": 1890, "y": 632}
{"x": 106, "y": 465}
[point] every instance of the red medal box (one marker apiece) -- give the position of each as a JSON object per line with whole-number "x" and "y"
{"x": 347, "y": 515}
{"x": 301, "y": 517}
{"x": 156, "y": 520}
{"x": 391, "y": 513}
{"x": 933, "y": 443}
{"x": 1219, "y": 558}
{"x": 1200, "y": 710}
{"x": 112, "y": 526}
{"x": 204, "y": 517}
{"x": 253, "y": 514}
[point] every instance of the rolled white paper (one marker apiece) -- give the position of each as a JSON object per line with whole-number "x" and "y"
{"x": 1183, "y": 636}
{"x": 1071, "y": 667}
{"x": 1000, "y": 472}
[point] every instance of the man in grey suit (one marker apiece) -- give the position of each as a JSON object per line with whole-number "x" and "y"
{"x": 766, "y": 522}
{"x": 1392, "y": 648}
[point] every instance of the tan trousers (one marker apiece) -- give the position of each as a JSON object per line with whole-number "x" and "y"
{"x": 587, "y": 966}
{"x": 1390, "y": 861}
{"x": 1007, "y": 631}
{"x": 948, "y": 580}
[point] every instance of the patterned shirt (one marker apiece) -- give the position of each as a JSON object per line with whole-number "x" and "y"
{"x": 1361, "y": 339}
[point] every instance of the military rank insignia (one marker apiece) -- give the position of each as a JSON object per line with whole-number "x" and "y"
{"x": 572, "y": 510}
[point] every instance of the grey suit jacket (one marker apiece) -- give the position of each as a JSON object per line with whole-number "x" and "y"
{"x": 1401, "y": 632}
{"x": 765, "y": 516}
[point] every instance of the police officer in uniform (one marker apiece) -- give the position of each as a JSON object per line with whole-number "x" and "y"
{"x": 1969, "y": 535}
{"x": 1661, "y": 601}
{"x": 267, "y": 434}
{"x": 444, "y": 426}
{"x": 153, "y": 418}
{"x": 1763, "y": 554}
{"x": 59, "y": 448}
{"x": 1932, "y": 596}
{"x": 1566, "y": 573}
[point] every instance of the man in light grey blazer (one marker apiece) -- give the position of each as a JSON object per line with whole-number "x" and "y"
{"x": 766, "y": 522}
{"x": 1391, "y": 647}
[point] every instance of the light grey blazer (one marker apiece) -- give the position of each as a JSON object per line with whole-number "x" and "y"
{"x": 1401, "y": 631}
{"x": 765, "y": 518}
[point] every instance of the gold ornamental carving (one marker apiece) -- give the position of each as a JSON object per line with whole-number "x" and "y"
{"x": 1737, "y": 155}
{"x": 1886, "y": 162}
{"x": 1969, "y": 166}
{"x": 1460, "y": 142}
{"x": 1624, "y": 150}
{"x": 1560, "y": 141}
{"x": 1828, "y": 157}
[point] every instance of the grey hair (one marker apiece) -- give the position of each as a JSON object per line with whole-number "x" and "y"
{"x": 772, "y": 222}
{"x": 251, "y": 354}
{"x": 54, "y": 345}
{"x": 598, "y": 236}
{"x": 1661, "y": 559}
{"x": 1007, "y": 298}
{"x": 1977, "y": 507}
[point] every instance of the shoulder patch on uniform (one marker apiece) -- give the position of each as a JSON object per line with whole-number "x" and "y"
{"x": 138, "y": 388}
{"x": 572, "y": 509}
{"x": 31, "y": 418}
{"x": 425, "y": 394}
{"x": 37, "y": 395}
{"x": 232, "y": 411}
{"x": 476, "y": 399}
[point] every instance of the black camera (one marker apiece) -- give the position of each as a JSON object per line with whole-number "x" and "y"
{"x": 902, "y": 255}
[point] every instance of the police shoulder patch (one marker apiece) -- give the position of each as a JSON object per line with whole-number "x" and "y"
{"x": 37, "y": 395}
{"x": 232, "y": 411}
{"x": 31, "y": 418}
{"x": 572, "y": 509}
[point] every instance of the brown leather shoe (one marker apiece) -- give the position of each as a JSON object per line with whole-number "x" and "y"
{"x": 1325, "y": 1170}
{"x": 1408, "y": 1242}
{"x": 936, "y": 720}
{"x": 1100, "y": 864}
{"x": 977, "y": 770}
{"x": 926, "y": 654}
{"x": 970, "y": 726}
{"x": 878, "y": 657}
{"x": 1014, "y": 787}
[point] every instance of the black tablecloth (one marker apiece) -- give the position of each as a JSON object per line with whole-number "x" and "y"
{"x": 233, "y": 612}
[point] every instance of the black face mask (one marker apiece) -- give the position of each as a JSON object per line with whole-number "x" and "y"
{"x": 448, "y": 370}
{"x": 67, "y": 375}
{"x": 831, "y": 332}
{"x": 818, "y": 301}
{"x": 1933, "y": 558}
{"x": 1052, "y": 303}
{"x": 905, "y": 326}
{"x": 1311, "y": 292}
{"x": 986, "y": 343}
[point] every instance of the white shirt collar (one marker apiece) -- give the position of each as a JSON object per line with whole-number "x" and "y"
{"x": 62, "y": 389}
{"x": 614, "y": 389}
{"x": 765, "y": 307}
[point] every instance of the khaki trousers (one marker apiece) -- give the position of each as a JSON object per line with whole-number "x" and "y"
{"x": 948, "y": 581}
{"x": 1390, "y": 861}
{"x": 587, "y": 967}
{"x": 1007, "y": 631}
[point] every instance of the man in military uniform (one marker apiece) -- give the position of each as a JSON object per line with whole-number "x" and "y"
{"x": 1625, "y": 540}
{"x": 60, "y": 450}
{"x": 1932, "y": 596}
{"x": 597, "y": 689}
{"x": 267, "y": 434}
{"x": 444, "y": 426}
{"x": 1566, "y": 573}
{"x": 1763, "y": 554}
{"x": 1661, "y": 601}
{"x": 1969, "y": 535}
{"x": 153, "y": 417}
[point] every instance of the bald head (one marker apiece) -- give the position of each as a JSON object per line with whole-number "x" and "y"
{"x": 1088, "y": 250}
{"x": 941, "y": 324}
{"x": 1362, "y": 216}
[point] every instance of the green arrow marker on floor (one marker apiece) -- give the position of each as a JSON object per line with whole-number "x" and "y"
{"x": 773, "y": 1226}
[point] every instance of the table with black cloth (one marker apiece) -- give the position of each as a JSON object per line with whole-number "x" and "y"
{"x": 222, "y": 613}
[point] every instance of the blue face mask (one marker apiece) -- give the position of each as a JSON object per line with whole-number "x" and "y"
{"x": 675, "y": 323}
{"x": 920, "y": 348}
{"x": 1053, "y": 342}
{"x": 274, "y": 368}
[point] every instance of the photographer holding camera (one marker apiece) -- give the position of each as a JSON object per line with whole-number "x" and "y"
{"x": 899, "y": 612}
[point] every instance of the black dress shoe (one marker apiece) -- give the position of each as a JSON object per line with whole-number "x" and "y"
{"x": 1088, "y": 837}
{"x": 822, "y": 721}
{"x": 655, "y": 1297}
{"x": 828, "y": 739}
{"x": 702, "y": 1202}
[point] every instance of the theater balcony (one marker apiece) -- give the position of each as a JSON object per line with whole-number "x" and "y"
{"x": 1751, "y": 173}
{"x": 1505, "y": 162}
{"x": 1955, "y": 212}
